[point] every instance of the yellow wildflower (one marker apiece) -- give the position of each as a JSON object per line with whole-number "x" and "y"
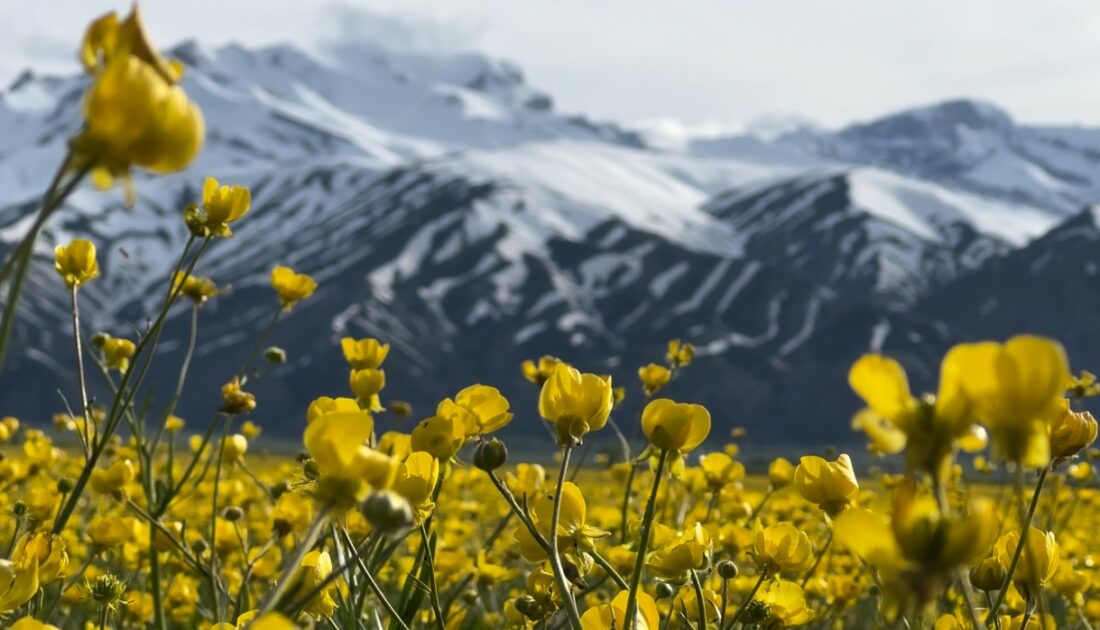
{"x": 292, "y": 287}
{"x": 76, "y": 262}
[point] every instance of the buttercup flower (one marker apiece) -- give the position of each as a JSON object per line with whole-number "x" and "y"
{"x": 195, "y": 288}
{"x": 445, "y": 433}
{"x": 831, "y": 485}
{"x": 654, "y": 377}
{"x": 781, "y": 548}
{"x": 364, "y": 354}
{"x": 1069, "y": 431}
{"x": 366, "y": 384}
{"x": 780, "y": 473}
{"x": 675, "y": 427}
{"x": 346, "y": 466}
{"x": 576, "y": 403}
{"x": 291, "y": 287}
{"x": 487, "y": 407}
{"x": 689, "y": 552}
{"x": 613, "y": 616}
{"x": 539, "y": 372}
{"x": 236, "y": 401}
{"x": 680, "y": 353}
{"x": 117, "y": 353}
{"x": 1038, "y": 561}
{"x": 76, "y": 262}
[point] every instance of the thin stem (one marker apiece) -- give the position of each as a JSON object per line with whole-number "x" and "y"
{"x": 85, "y": 411}
{"x": 429, "y": 558}
{"x": 1024, "y": 529}
{"x": 745, "y": 604}
{"x": 700, "y": 602}
{"x": 555, "y": 559}
{"x": 820, "y": 557}
{"x": 643, "y": 542}
{"x": 243, "y": 374}
{"x": 304, "y": 547}
{"x": 610, "y": 571}
{"x": 373, "y": 584}
{"x": 184, "y": 368}
{"x": 725, "y": 602}
{"x": 627, "y": 495}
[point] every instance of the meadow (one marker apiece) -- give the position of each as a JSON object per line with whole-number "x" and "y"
{"x": 981, "y": 513}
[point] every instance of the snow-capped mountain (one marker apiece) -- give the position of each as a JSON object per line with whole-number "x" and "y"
{"x": 444, "y": 206}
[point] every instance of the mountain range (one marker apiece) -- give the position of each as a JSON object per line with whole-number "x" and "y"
{"x": 446, "y": 207}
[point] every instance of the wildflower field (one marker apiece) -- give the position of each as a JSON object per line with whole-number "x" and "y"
{"x": 127, "y": 516}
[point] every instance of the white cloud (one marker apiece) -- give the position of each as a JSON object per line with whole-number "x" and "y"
{"x": 697, "y": 61}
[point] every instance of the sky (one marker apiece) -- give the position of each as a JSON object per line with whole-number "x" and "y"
{"x": 695, "y": 64}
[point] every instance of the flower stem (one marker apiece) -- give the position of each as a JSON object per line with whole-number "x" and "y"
{"x": 84, "y": 410}
{"x": 555, "y": 559}
{"x": 643, "y": 542}
{"x": 700, "y": 602}
{"x": 304, "y": 547}
{"x": 1025, "y": 526}
{"x": 745, "y": 604}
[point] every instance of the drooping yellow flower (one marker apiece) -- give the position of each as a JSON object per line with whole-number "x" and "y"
{"x": 939, "y": 541}
{"x": 292, "y": 287}
{"x": 675, "y": 427}
{"x": 781, "y": 548}
{"x": 674, "y": 560}
{"x": 117, "y": 353}
{"x": 1069, "y": 431}
{"x": 613, "y": 616}
{"x": 487, "y": 406}
{"x": 194, "y": 288}
{"x": 223, "y": 205}
{"x": 346, "y": 466}
{"x": 1038, "y": 561}
{"x": 364, "y": 354}
{"x": 76, "y": 262}
{"x": 134, "y": 112}
{"x": 367, "y": 384}
{"x": 236, "y": 401}
{"x": 654, "y": 377}
{"x": 785, "y": 604}
{"x": 1013, "y": 388}
{"x": 416, "y": 480}
{"x": 576, "y": 403}
{"x": 831, "y": 485}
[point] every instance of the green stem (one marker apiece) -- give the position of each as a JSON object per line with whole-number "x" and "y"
{"x": 745, "y": 604}
{"x": 243, "y": 374}
{"x": 555, "y": 559}
{"x": 1024, "y": 529}
{"x": 304, "y": 547}
{"x": 82, "y": 381}
{"x": 700, "y": 602}
{"x": 820, "y": 557}
{"x": 429, "y": 558}
{"x": 643, "y": 542}
{"x": 610, "y": 571}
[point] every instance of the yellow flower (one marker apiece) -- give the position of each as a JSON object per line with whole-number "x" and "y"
{"x": 576, "y": 403}
{"x": 48, "y": 552}
{"x": 487, "y": 407}
{"x": 291, "y": 287}
{"x": 234, "y": 448}
{"x": 680, "y": 353}
{"x": 539, "y": 372}
{"x": 174, "y": 424}
{"x": 346, "y": 466}
{"x": 134, "y": 113}
{"x": 781, "y": 547}
{"x": 780, "y": 473}
{"x": 674, "y": 560}
{"x": 194, "y": 288}
{"x": 113, "y": 478}
{"x": 831, "y": 485}
{"x": 675, "y": 427}
{"x": 1069, "y": 431}
{"x": 117, "y": 353}
{"x": 30, "y": 623}
{"x": 364, "y": 354}
{"x": 786, "y": 604}
{"x": 76, "y": 263}
{"x": 109, "y": 531}
{"x": 223, "y": 205}
{"x": 443, "y": 434}
{"x": 654, "y": 377}
{"x": 1038, "y": 560}
{"x": 366, "y": 384}
{"x": 941, "y": 541}
{"x": 324, "y": 405}
{"x": 721, "y": 470}
{"x": 574, "y": 532}
{"x": 251, "y": 430}
{"x": 416, "y": 480}
{"x": 395, "y": 444}
{"x": 315, "y": 567}
{"x": 18, "y": 582}
{"x": 1014, "y": 387}
{"x": 235, "y": 400}
{"x": 613, "y": 616}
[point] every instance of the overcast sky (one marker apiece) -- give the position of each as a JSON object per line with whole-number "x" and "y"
{"x": 703, "y": 62}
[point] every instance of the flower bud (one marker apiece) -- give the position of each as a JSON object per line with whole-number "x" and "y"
{"x": 529, "y": 607}
{"x": 106, "y": 590}
{"x": 275, "y": 355}
{"x": 311, "y": 470}
{"x": 19, "y": 509}
{"x": 665, "y": 590}
{"x": 233, "y": 514}
{"x": 727, "y": 570}
{"x": 388, "y": 512}
{"x": 490, "y": 455}
{"x": 64, "y": 485}
{"x": 988, "y": 575}
{"x": 195, "y": 218}
{"x": 99, "y": 339}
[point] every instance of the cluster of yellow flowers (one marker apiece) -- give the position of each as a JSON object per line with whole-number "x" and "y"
{"x": 429, "y": 525}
